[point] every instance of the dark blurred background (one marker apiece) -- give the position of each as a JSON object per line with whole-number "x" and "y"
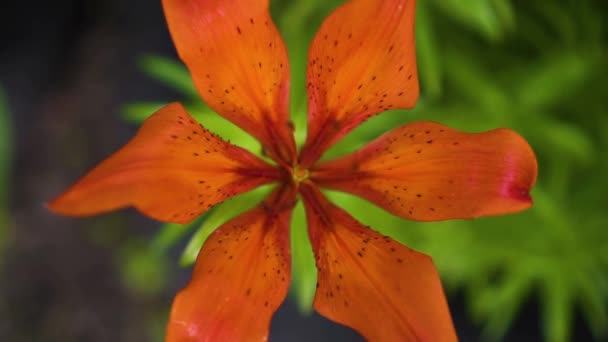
{"x": 77, "y": 76}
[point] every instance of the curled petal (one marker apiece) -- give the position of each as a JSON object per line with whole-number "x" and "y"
{"x": 172, "y": 170}
{"x": 361, "y": 62}
{"x": 428, "y": 172}
{"x": 369, "y": 282}
{"x": 241, "y": 277}
{"x": 239, "y": 65}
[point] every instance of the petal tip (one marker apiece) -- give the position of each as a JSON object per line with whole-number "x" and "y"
{"x": 51, "y": 207}
{"x": 61, "y": 205}
{"x": 521, "y": 194}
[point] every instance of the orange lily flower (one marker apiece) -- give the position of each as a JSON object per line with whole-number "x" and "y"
{"x": 361, "y": 62}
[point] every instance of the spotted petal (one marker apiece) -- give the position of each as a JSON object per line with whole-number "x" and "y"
{"x": 426, "y": 171}
{"x": 172, "y": 170}
{"x": 369, "y": 282}
{"x": 239, "y": 65}
{"x": 361, "y": 62}
{"x": 241, "y": 277}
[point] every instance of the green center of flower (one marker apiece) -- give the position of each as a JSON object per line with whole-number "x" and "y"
{"x": 299, "y": 175}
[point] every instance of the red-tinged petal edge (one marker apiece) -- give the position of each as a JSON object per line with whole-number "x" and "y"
{"x": 371, "y": 283}
{"x": 172, "y": 170}
{"x": 239, "y": 65}
{"x": 361, "y": 62}
{"x": 428, "y": 172}
{"x": 241, "y": 277}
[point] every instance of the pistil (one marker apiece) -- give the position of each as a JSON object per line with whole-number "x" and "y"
{"x": 299, "y": 175}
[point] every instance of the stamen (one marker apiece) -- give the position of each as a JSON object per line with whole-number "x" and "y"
{"x": 299, "y": 175}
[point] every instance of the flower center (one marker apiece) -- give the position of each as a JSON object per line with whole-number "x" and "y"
{"x": 299, "y": 175}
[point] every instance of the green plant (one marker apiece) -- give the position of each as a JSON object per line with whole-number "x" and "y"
{"x": 536, "y": 67}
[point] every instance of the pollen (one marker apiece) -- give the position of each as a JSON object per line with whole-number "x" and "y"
{"x": 299, "y": 175}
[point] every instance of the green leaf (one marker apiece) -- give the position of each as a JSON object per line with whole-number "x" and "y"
{"x": 304, "y": 271}
{"x": 477, "y": 85}
{"x": 219, "y": 215}
{"x": 143, "y": 270}
{"x": 559, "y": 15}
{"x": 570, "y": 141}
{"x": 429, "y": 60}
{"x": 170, "y": 233}
{"x": 593, "y": 298}
{"x": 551, "y": 80}
{"x": 501, "y": 302}
{"x": 137, "y": 112}
{"x": 169, "y": 72}
{"x": 505, "y": 13}
{"x": 476, "y": 14}
{"x": 557, "y": 309}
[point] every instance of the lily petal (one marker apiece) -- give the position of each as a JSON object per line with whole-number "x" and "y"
{"x": 239, "y": 65}
{"x": 240, "y": 278}
{"x": 172, "y": 170}
{"x": 361, "y": 62}
{"x": 428, "y": 172}
{"x": 371, "y": 283}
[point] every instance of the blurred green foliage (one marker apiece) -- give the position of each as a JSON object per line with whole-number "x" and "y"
{"x": 6, "y": 157}
{"x": 538, "y": 67}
